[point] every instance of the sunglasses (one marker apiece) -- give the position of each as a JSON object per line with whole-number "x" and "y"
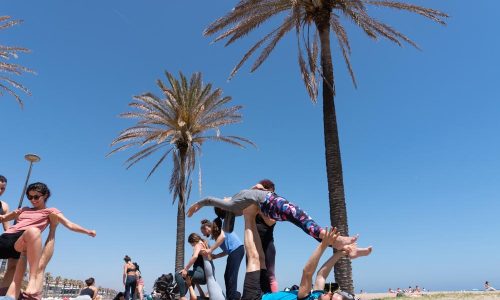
{"x": 35, "y": 197}
{"x": 331, "y": 287}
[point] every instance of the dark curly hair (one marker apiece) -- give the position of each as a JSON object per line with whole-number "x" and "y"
{"x": 40, "y": 187}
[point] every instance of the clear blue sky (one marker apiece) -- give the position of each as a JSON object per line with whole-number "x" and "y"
{"x": 419, "y": 138}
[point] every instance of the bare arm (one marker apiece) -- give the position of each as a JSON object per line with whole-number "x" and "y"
{"x": 124, "y": 273}
{"x": 73, "y": 226}
{"x": 5, "y": 207}
{"x": 312, "y": 263}
{"x": 325, "y": 270}
{"x": 196, "y": 252}
{"x": 220, "y": 239}
{"x": 10, "y": 216}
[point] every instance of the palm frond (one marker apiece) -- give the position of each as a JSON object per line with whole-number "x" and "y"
{"x": 6, "y": 53}
{"x": 178, "y": 121}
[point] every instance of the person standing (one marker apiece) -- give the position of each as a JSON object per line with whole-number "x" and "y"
{"x": 11, "y": 262}
{"x": 129, "y": 278}
{"x": 231, "y": 246}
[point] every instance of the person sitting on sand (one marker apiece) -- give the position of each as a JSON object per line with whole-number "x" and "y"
{"x": 25, "y": 236}
{"x": 274, "y": 207}
{"x": 488, "y": 287}
{"x": 255, "y": 262}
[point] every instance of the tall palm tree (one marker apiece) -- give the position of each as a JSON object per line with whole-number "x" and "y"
{"x": 179, "y": 122}
{"x": 313, "y": 22}
{"x": 8, "y": 85}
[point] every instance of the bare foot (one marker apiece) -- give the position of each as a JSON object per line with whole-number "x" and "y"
{"x": 194, "y": 208}
{"x": 355, "y": 252}
{"x": 342, "y": 241}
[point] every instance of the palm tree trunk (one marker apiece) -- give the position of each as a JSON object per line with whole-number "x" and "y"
{"x": 336, "y": 196}
{"x": 181, "y": 215}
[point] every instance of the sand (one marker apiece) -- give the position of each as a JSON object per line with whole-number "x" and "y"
{"x": 435, "y": 295}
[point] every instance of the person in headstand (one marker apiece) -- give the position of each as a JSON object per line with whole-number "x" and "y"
{"x": 231, "y": 247}
{"x": 275, "y": 207}
{"x": 255, "y": 263}
{"x": 25, "y": 235}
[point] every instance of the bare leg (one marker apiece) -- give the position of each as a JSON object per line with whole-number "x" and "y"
{"x": 252, "y": 242}
{"x": 47, "y": 253}
{"x": 30, "y": 242}
{"x": 15, "y": 285}
{"x": 9, "y": 274}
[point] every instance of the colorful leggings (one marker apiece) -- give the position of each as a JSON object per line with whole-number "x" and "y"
{"x": 280, "y": 209}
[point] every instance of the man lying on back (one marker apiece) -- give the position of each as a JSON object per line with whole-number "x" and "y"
{"x": 252, "y": 288}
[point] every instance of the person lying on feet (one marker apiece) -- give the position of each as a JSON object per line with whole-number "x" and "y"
{"x": 25, "y": 235}
{"x": 252, "y": 289}
{"x": 273, "y": 206}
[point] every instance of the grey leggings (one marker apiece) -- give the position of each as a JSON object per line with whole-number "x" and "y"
{"x": 235, "y": 207}
{"x": 214, "y": 289}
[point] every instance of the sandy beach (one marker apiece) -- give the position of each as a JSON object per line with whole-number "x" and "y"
{"x": 435, "y": 295}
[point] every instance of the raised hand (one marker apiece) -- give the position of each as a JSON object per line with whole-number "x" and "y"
{"x": 330, "y": 237}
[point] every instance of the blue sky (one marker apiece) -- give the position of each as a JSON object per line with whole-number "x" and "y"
{"x": 419, "y": 138}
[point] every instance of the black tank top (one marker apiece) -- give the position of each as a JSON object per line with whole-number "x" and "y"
{"x": 87, "y": 291}
{"x": 198, "y": 262}
{"x": 266, "y": 232}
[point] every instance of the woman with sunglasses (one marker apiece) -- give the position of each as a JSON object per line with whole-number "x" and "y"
{"x": 23, "y": 239}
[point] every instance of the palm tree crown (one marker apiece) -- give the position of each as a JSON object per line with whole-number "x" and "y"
{"x": 313, "y": 43}
{"x": 8, "y": 85}
{"x": 299, "y": 15}
{"x": 178, "y": 123}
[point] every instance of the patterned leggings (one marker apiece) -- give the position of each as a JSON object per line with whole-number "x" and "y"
{"x": 280, "y": 209}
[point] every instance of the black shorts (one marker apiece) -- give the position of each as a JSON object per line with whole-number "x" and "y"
{"x": 251, "y": 286}
{"x": 7, "y": 241}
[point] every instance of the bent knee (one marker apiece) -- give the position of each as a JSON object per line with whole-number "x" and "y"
{"x": 32, "y": 232}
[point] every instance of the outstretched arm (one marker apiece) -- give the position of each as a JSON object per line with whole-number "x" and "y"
{"x": 311, "y": 264}
{"x": 325, "y": 270}
{"x": 10, "y": 216}
{"x": 73, "y": 226}
{"x": 196, "y": 252}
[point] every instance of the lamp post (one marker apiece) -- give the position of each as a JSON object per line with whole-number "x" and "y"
{"x": 32, "y": 158}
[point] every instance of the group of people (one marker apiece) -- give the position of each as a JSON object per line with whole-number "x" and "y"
{"x": 21, "y": 242}
{"x": 132, "y": 280}
{"x": 261, "y": 208}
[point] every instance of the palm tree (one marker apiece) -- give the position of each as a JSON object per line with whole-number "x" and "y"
{"x": 48, "y": 280}
{"x": 179, "y": 123}
{"x": 313, "y": 21}
{"x": 8, "y": 85}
